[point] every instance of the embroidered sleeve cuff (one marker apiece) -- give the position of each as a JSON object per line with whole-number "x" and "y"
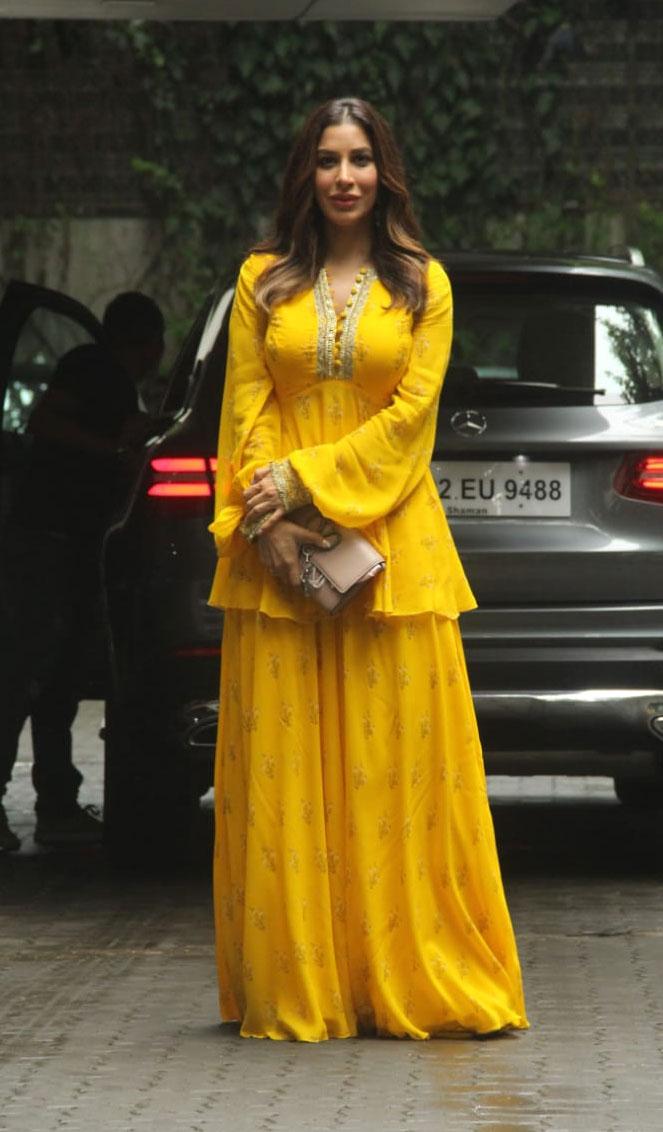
{"x": 251, "y": 528}
{"x": 291, "y": 490}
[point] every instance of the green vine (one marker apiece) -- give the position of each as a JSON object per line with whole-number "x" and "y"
{"x": 223, "y": 103}
{"x": 498, "y": 152}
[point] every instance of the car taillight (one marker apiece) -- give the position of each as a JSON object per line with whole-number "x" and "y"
{"x": 641, "y": 477}
{"x": 182, "y": 477}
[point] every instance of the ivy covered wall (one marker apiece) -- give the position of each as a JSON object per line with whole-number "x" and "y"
{"x": 535, "y": 130}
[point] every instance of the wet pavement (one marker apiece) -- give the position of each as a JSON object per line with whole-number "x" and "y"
{"x": 108, "y": 1018}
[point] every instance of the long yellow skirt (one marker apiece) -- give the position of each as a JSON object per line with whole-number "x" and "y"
{"x": 356, "y": 880}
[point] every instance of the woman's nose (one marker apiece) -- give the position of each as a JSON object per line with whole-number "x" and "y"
{"x": 344, "y": 173}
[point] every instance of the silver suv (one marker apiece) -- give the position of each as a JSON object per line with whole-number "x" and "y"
{"x": 549, "y": 462}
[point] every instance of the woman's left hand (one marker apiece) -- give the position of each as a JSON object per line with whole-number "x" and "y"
{"x": 262, "y": 498}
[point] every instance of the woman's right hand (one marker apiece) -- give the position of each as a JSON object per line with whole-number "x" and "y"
{"x": 279, "y": 550}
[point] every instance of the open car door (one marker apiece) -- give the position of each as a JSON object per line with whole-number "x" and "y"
{"x": 37, "y": 326}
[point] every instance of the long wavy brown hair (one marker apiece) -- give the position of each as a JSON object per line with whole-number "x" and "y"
{"x": 298, "y": 240}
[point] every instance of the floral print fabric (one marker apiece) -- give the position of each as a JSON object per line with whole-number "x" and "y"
{"x": 361, "y": 443}
{"x": 357, "y": 887}
{"x": 356, "y": 881}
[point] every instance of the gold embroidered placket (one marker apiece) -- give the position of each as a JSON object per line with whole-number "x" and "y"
{"x": 335, "y": 351}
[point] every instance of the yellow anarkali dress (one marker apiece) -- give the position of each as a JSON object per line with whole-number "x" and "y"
{"x": 356, "y": 881}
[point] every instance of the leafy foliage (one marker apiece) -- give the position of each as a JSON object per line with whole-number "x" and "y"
{"x": 224, "y": 102}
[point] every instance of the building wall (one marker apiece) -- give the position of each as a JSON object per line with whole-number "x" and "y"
{"x": 92, "y": 258}
{"x": 74, "y": 116}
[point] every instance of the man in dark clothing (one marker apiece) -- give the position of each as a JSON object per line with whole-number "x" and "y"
{"x": 84, "y": 428}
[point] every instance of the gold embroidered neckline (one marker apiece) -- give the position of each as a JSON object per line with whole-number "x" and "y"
{"x": 336, "y": 332}
{"x": 349, "y": 303}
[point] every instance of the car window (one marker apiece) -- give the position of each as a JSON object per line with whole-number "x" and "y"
{"x": 554, "y": 347}
{"x": 186, "y": 369}
{"x": 210, "y": 388}
{"x": 45, "y": 337}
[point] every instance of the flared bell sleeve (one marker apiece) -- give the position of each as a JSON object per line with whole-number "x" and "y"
{"x": 250, "y": 428}
{"x": 366, "y": 474}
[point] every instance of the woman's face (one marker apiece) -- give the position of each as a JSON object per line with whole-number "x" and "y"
{"x": 346, "y": 177}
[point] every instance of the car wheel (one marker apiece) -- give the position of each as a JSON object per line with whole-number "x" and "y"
{"x": 150, "y": 801}
{"x": 639, "y": 793}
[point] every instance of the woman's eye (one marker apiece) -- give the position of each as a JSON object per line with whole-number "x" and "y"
{"x": 363, "y": 159}
{"x": 325, "y": 162}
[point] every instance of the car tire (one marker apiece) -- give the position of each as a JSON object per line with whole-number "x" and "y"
{"x": 639, "y": 793}
{"x": 150, "y": 801}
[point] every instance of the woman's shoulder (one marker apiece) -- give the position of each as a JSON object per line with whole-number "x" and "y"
{"x": 254, "y": 265}
{"x": 438, "y": 288}
{"x": 436, "y": 277}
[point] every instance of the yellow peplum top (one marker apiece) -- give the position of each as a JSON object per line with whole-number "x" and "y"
{"x": 352, "y": 402}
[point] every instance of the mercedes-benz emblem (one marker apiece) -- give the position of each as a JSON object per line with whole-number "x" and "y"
{"x": 469, "y": 422}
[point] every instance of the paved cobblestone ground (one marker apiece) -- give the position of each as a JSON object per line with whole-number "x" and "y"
{"x": 108, "y": 1010}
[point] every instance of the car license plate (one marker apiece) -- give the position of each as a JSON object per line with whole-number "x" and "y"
{"x": 503, "y": 489}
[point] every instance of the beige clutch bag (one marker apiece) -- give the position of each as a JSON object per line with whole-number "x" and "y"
{"x": 333, "y": 577}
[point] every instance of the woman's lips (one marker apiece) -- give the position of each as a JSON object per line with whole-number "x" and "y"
{"x": 344, "y": 202}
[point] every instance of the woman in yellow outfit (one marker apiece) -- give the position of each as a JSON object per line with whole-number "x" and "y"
{"x": 357, "y": 886}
